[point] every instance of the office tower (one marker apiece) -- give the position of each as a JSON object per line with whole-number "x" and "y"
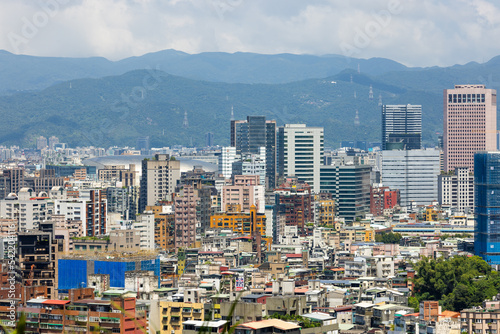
{"x": 250, "y": 135}
{"x": 226, "y": 160}
{"x": 300, "y": 153}
{"x": 142, "y": 143}
{"x": 414, "y": 173}
{"x": 487, "y": 206}
{"x": 41, "y": 143}
{"x": 158, "y": 180}
{"x": 350, "y": 188}
{"x": 457, "y": 190}
{"x": 53, "y": 140}
{"x": 470, "y": 124}
{"x": 209, "y": 139}
{"x": 401, "y": 127}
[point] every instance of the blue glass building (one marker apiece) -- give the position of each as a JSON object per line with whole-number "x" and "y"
{"x": 487, "y": 206}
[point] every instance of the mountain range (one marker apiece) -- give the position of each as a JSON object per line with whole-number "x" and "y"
{"x": 94, "y": 101}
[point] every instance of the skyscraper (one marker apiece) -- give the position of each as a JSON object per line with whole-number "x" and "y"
{"x": 470, "y": 124}
{"x": 142, "y": 143}
{"x": 487, "y": 206}
{"x": 414, "y": 173}
{"x": 250, "y": 135}
{"x": 350, "y": 188}
{"x": 300, "y": 153}
{"x": 401, "y": 127}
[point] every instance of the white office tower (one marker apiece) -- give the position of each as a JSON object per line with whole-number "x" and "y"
{"x": 301, "y": 151}
{"x": 226, "y": 160}
{"x": 414, "y": 173}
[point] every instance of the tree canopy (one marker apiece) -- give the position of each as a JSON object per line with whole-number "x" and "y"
{"x": 458, "y": 283}
{"x": 389, "y": 238}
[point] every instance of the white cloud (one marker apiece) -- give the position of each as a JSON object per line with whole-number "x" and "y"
{"x": 419, "y": 33}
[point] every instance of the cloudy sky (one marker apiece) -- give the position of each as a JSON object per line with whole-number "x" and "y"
{"x": 413, "y": 32}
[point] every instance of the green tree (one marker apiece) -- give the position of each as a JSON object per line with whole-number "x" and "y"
{"x": 458, "y": 283}
{"x": 389, "y": 238}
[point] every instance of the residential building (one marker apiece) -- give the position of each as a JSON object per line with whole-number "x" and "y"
{"x": 145, "y": 226}
{"x": 401, "y": 127}
{"x": 118, "y": 315}
{"x": 169, "y": 316}
{"x": 244, "y": 193}
{"x": 37, "y": 252}
{"x": 90, "y": 207}
{"x": 457, "y": 190}
{"x": 470, "y": 124}
{"x": 28, "y": 209}
{"x": 158, "y": 180}
{"x": 300, "y": 153}
{"x": 382, "y": 198}
{"x": 294, "y": 200}
{"x": 271, "y": 326}
{"x": 414, "y": 173}
{"x": 480, "y": 320}
{"x": 240, "y": 222}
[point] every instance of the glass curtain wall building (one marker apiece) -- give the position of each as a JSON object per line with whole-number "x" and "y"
{"x": 487, "y": 206}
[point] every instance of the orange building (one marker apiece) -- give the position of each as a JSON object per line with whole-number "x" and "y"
{"x": 240, "y": 222}
{"x": 164, "y": 227}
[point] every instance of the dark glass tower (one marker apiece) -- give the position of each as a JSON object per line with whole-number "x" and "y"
{"x": 487, "y": 206}
{"x": 248, "y": 136}
{"x": 401, "y": 127}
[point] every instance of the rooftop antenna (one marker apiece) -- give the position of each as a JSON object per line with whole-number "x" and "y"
{"x": 232, "y": 113}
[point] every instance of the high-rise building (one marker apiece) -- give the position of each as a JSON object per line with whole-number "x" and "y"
{"x": 250, "y": 135}
{"x": 414, "y": 173}
{"x": 401, "y": 127}
{"x": 158, "y": 180}
{"x": 294, "y": 200}
{"x": 53, "y": 140}
{"x": 457, "y": 190}
{"x": 350, "y": 188}
{"x": 300, "y": 153}
{"x": 142, "y": 143}
{"x": 41, "y": 143}
{"x": 487, "y": 206}
{"x": 226, "y": 160}
{"x": 242, "y": 194}
{"x": 470, "y": 124}
{"x": 209, "y": 139}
